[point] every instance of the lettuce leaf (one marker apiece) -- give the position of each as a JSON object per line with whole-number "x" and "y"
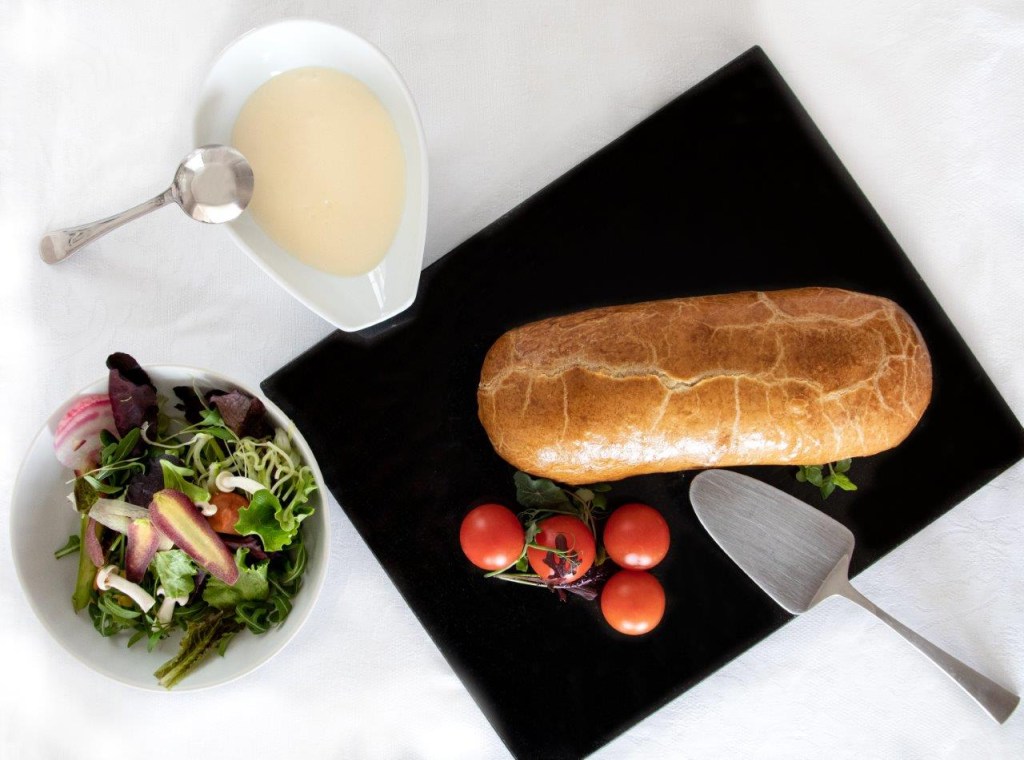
{"x": 142, "y": 485}
{"x": 175, "y": 477}
{"x": 260, "y": 518}
{"x": 274, "y": 524}
{"x": 242, "y": 414}
{"x": 175, "y": 570}
{"x": 251, "y": 584}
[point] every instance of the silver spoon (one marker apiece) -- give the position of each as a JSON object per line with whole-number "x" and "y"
{"x": 213, "y": 184}
{"x": 800, "y": 556}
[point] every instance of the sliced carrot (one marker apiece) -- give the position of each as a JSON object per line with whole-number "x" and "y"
{"x": 227, "y": 505}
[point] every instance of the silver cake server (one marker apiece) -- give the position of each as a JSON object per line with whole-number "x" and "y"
{"x": 799, "y": 556}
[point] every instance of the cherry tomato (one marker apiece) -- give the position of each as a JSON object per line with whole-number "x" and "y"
{"x": 491, "y": 536}
{"x": 566, "y": 533}
{"x": 633, "y": 602}
{"x": 636, "y": 537}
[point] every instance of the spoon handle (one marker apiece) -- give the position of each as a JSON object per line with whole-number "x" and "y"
{"x": 59, "y": 244}
{"x": 997, "y": 701}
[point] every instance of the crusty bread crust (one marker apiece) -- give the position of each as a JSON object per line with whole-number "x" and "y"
{"x": 803, "y": 376}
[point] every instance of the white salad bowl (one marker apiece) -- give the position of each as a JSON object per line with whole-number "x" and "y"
{"x": 350, "y": 303}
{"x": 42, "y": 519}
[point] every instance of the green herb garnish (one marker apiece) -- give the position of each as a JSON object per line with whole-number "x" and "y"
{"x": 827, "y": 480}
{"x": 543, "y": 498}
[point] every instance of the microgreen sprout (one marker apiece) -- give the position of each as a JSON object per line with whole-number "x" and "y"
{"x": 827, "y": 480}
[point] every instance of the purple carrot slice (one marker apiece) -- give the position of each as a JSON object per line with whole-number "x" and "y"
{"x": 143, "y": 541}
{"x": 92, "y": 543}
{"x": 174, "y": 515}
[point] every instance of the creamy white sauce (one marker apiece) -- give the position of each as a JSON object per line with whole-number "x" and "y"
{"x": 328, "y": 167}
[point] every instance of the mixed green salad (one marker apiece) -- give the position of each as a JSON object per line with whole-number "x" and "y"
{"x": 191, "y": 517}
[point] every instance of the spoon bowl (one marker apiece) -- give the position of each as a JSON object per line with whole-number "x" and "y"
{"x": 213, "y": 184}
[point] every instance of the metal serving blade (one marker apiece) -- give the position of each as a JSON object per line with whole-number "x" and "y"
{"x": 799, "y": 556}
{"x": 787, "y": 547}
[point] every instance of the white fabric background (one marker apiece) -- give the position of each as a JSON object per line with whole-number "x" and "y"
{"x": 923, "y": 101}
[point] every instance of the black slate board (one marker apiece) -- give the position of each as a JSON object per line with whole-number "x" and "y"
{"x": 728, "y": 187}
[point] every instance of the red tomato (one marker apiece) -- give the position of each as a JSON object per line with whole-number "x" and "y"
{"x": 569, "y": 534}
{"x": 636, "y": 536}
{"x": 633, "y": 602}
{"x": 491, "y": 536}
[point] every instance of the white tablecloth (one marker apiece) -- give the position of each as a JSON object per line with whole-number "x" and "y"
{"x": 922, "y": 101}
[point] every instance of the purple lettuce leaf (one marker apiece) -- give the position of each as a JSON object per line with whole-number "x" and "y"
{"x": 252, "y": 543}
{"x": 587, "y": 586}
{"x": 192, "y": 404}
{"x": 132, "y": 395}
{"x": 243, "y": 414}
{"x": 143, "y": 485}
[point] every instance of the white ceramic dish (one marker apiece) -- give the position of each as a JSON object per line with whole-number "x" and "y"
{"x": 350, "y": 303}
{"x": 42, "y": 520}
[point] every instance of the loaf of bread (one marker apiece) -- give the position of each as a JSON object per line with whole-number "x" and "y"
{"x": 803, "y": 376}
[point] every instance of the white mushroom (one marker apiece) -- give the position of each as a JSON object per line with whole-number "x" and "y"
{"x": 108, "y": 578}
{"x": 208, "y": 509}
{"x": 227, "y": 482}
{"x": 166, "y": 611}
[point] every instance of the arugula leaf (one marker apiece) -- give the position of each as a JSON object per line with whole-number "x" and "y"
{"x": 72, "y": 546}
{"x": 251, "y": 584}
{"x": 538, "y": 492}
{"x": 175, "y": 477}
{"x": 120, "y": 450}
{"x": 175, "y": 570}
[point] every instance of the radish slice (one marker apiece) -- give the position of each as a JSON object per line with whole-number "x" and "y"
{"x": 92, "y": 543}
{"x": 116, "y": 515}
{"x": 76, "y": 441}
{"x": 174, "y": 515}
{"x": 143, "y": 541}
